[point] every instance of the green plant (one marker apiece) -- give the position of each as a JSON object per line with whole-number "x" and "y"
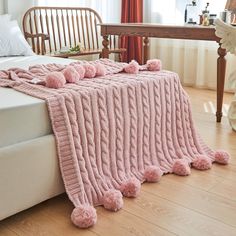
{"x": 75, "y": 49}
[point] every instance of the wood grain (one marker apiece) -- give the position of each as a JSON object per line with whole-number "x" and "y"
{"x": 175, "y": 217}
{"x": 206, "y": 203}
{"x": 202, "y": 204}
{"x": 134, "y": 225}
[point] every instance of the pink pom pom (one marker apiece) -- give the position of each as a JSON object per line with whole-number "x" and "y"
{"x": 181, "y": 167}
{"x": 152, "y": 174}
{"x": 84, "y": 216}
{"x": 154, "y": 65}
{"x": 55, "y": 80}
{"x": 90, "y": 71}
{"x": 100, "y": 69}
{"x": 202, "y": 162}
{"x": 71, "y": 75}
{"x": 113, "y": 200}
{"x": 132, "y": 67}
{"x": 131, "y": 188}
{"x": 80, "y": 69}
{"x": 222, "y": 157}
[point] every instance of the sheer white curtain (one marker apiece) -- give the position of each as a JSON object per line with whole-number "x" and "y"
{"x": 194, "y": 61}
{"x": 109, "y": 10}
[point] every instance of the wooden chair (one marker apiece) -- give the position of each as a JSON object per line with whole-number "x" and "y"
{"x": 49, "y": 29}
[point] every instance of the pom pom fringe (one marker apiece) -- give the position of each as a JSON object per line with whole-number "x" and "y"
{"x": 80, "y": 69}
{"x": 154, "y": 65}
{"x": 113, "y": 200}
{"x": 181, "y": 167}
{"x": 55, "y": 80}
{"x": 202, "y": 162}
{"x": 222, "y": 157}
{"x": 131, "y": 187}
{"x": 90, "y": 71}
{"x": 152, "y": 174}
{"x": 100, "y": 69}
{"x": 71, "y": 75}
{"x": 84, "y": 216}
{"x": 132, "y": 67}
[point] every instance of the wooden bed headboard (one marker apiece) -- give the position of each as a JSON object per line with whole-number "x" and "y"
{"x": 48, "y": 29}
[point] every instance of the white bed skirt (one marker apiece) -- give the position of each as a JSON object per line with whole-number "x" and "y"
{"x": 29, "y": 174}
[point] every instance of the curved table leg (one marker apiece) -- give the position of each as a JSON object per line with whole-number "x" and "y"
{"x": 221, "y": 68}
{"x": 105, "y": 50}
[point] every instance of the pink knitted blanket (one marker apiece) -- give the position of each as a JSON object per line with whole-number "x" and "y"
{"x": 115, "y": 132}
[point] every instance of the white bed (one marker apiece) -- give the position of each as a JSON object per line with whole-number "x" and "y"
{"x": 29, "y": 171}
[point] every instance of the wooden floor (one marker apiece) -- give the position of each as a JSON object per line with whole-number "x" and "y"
{"x": 201, "y": 204}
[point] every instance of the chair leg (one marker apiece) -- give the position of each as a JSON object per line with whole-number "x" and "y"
{"x": 120, "y": 57}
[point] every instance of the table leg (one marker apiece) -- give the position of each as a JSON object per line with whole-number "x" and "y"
{"x": 146, "y": 51}
{"x": 221, "y": 68}
{"x": 105, "y": 50}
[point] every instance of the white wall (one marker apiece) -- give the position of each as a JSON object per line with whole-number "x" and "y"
{"x": 17, "y": 8}
{"x": 1, "y": 7}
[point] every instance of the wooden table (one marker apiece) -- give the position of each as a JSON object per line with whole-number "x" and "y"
{"x": 171, "y": 32}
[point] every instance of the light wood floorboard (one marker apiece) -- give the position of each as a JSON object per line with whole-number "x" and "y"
{"x": 201, "y": 204}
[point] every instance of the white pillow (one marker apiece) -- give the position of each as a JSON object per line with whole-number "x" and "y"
{"x": 12, "y": 41}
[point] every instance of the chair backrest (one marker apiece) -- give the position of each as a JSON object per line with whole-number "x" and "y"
{"x": 66, "y": 26}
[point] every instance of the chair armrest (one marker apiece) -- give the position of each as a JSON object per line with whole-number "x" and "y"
{"x": 43, "y": 37}
{"x": 40, "y": 35}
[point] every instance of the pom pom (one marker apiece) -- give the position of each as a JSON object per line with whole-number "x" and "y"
{"x": 80, "y": 70}
{"x": 132, "y": 67}
{"x": 90, "y": 71}
{"x": 154, "y": 65}
{"x": 222, "y": 157}
{"x": 100, "y": 69}
{"x": 113, "y": 200}
{"x": 71, "y": 75}
{"x": 55, "y": 80}
{"x": 181, "y": 167}
{"x": 152, "y": 174}
{"x": 202, "y": 163}
{"x": 131, "y": 188}
{"x": 84, "y": 216}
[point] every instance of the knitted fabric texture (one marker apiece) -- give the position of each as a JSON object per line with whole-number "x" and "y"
{"x": 112, "y": 128}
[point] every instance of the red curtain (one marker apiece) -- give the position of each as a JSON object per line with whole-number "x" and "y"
{"x": 132, "y": 12}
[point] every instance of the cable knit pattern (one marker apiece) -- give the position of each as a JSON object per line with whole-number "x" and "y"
{"x": 133, "y": 128}
{"x": 110, "y": 129}
{"x": 119, "y": 131}
{"x": 146, "y": 124}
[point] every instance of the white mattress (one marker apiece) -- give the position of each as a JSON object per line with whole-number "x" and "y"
{"x": 23, "y": 117}
{"x": 26, "y": 61}
{"x": 29, "y": 174}
{"x": 29, "y": 170}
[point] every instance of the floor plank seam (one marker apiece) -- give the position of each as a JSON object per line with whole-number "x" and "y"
{"x": 130, "y": 212}
{"x": 198, "y": 212}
